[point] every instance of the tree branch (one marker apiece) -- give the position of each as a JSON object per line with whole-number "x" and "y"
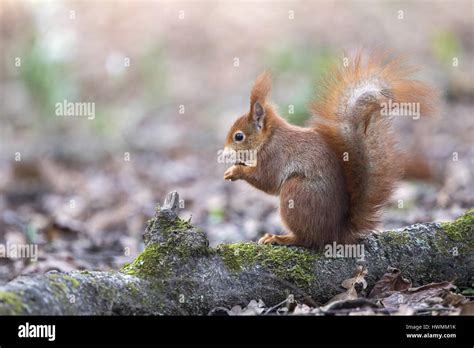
{"x": 178, "y": 273}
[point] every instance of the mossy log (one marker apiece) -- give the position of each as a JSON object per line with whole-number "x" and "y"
{"x": 178, "y": 273}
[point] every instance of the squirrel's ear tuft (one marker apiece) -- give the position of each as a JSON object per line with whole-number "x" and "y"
{"x": 261, "y": 89}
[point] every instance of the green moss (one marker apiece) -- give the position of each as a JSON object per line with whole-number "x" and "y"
{"x": 397, "y": 237}
{"x": 457, "y": 236}
{"x": 292, "y": 264}
{"x": 55, "y": 281}
{"x": 150, "y": 262}
{"x": 167, "y": 225}
{"x": 61, "y": 283}
{"x": 13, "y": 301}
{"x": 106, "y": 292}
{"x": 461, "y": 228}
{"x": 133, "y": 289}
{"x": 73, "y": 281}
{"x": 175, "y": 245}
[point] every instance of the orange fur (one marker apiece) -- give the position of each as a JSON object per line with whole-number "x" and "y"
{"x": 261, "y": 88}
{"x": 374, "y": 164}
{"x": 338, "y": 173}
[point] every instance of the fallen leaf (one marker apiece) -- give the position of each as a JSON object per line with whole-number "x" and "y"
{"x": 390, "y": 282}
{"x": 453, "y": 299}
{"x": 358, "y": 278}
{"x": 468, "y": 308}
{"x": 302, "y": 309}
{"x": 236, "y": 310}
{"x": 253, "y": 308}
{"x": 417, "y": 296}
{"x": 349, "y": 294}
{"x": 433, "y": 286}
{"x": 349, "y": 284}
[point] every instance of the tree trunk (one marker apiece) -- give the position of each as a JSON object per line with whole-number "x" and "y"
{"x": 178, "y": 273}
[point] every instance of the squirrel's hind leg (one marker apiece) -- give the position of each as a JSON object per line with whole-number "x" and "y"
{"x": 305, "y": 212}
{"x": 286, "y": 239}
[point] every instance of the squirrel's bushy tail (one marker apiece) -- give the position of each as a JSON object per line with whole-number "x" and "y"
{"x": 353, "y": 116}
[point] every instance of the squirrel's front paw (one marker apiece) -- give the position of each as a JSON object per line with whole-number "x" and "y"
{"x": 232, "y": 174}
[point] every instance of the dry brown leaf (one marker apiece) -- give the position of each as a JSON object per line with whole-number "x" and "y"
{"x": 468, "y": 308}
{"x": 433, "y": 286}
{"x": 253, "y": 308}
{"x": 358, "y": 278}
{"x": 302, "y": 309}
{"x": 418, "y": 295}
{"x": 349, "y": 294}
{"x": 349, "y": 284}
{"x": 453, "y": 299}
{"x": 390, "y": 282}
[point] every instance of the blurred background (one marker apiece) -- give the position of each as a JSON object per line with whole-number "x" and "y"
{"x": 167, "y": 79}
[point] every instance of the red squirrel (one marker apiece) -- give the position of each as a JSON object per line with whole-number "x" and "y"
{"x": 334, "y": 176}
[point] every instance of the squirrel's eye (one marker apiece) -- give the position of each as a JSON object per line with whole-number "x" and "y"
{"x": 239, "y": 136}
